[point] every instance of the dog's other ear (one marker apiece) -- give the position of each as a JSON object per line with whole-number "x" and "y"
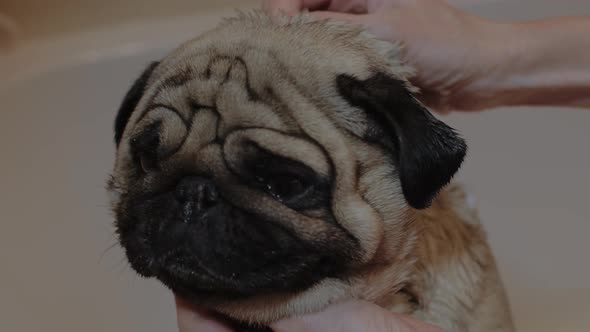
{"x": 427, "y": 152}
{"x": 131, "y": 100}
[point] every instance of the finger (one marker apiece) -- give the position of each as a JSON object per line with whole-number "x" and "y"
{"x": 397, "y": 3}
{"x": 314, "y": 322}
{"x": 191, "y": 319}
{"x": 341, "y": 317}
{"x": 348, "y": 6}
{"x": 293, "y": 324}
{"x": 353, "y": 316}
{"x": 289, "y": 7}
{"x": 357, "y": 19}
{"x": 416, "y": 325}
{"x": 292, "y": 7}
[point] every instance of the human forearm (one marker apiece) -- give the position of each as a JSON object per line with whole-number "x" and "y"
{"x": 544, "y": 63}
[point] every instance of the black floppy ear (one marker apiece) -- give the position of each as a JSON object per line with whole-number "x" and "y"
{"x": 427, "y": 152}
{"x": 131, "y": 100}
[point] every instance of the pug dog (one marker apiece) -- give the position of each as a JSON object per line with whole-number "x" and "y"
{"x": 273, "y": 166}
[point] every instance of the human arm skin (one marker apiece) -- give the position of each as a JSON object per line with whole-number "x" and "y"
{"x": 352, "y": 316}
{"x": 466, "y": 62}
{"x": 544, "y": 63}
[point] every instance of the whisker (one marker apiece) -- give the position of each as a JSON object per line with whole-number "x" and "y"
{"x": 106, "y": 251}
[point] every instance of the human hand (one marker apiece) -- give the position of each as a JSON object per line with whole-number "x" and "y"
{"x": 351, "y": 316}
{"x": 194, "y": 319}
{"x": 453, "y": 52}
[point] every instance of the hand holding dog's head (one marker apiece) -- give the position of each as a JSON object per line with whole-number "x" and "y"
{"x": 268, "y": 166}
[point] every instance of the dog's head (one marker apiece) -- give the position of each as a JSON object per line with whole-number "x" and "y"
{"x": 271, "y": 166}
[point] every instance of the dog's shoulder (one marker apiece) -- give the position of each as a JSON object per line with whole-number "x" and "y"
{"x": 456, "y": 274}
{"x": 455, "y": 199}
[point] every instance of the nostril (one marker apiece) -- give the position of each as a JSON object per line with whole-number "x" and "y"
{"x": 197, "y": 193}
{"x": 210, "y": 195}
{"x": 206, "y": 196}
{"x": 182, "y": 191}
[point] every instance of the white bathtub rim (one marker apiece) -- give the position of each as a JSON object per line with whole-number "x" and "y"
{"x": 101, "y": 44}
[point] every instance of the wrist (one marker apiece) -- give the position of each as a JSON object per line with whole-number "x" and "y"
{"x": 492, "y": 56}
{"x": 502, "y": 61}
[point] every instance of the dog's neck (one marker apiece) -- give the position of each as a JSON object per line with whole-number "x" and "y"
{"x": 446, "y": 234}
{"x": 452, "y": 269}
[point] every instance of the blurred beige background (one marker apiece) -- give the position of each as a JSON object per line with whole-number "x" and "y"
{"x": 44, "y": 18}
{"x": 64, "y": 74}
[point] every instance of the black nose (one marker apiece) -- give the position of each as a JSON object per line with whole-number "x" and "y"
{"x": 197, "y": 194}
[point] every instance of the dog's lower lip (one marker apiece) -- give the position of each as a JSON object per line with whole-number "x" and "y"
{"x": 148, "y": 269}
{"x": 186, "y": 281}
{"x": 153, "y": 266}
{"x": 173, "y": 266}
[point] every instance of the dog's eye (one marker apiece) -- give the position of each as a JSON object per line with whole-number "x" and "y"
{"x": 144, "y": 148}
{"x": 280, "y": 183}
{"x": 148, "y": 162}
{"x": 285, "y": 186}
{"x": 289, "y": 181}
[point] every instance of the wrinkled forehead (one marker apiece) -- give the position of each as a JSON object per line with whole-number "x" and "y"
{"x": 219, "y": 101}
{"x": 309, "y": 53}
{"x": 239, "y": 75}
{"x": 236, "y": 88}
{"x": 222, "y": 100}
{"x": 256, "y": 73}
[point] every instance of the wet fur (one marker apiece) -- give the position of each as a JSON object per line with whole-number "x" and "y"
{"x": 334, "y": 98}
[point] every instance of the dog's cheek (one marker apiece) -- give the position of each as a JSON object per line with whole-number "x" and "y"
{"x": 384, "y": 193}
{"x": 113, "y": 192}
{"x": 362, "y": 221}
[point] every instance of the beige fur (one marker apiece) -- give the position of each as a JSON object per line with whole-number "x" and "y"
{"x": 438, "y": 256}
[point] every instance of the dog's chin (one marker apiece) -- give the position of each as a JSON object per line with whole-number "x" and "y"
{"x": 194, "y": 282}
{"x": 223, "y": 253}
{"x": 220, "y": 263}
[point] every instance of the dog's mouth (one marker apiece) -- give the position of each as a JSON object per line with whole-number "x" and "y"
{"x": 228, "y": 253}
{"x": 191, "y": 278}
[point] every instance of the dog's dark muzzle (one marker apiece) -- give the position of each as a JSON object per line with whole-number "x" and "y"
{"x": 197, "y": 243}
